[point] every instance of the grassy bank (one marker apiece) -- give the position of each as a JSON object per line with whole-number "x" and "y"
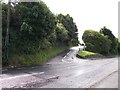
{"x": 87, "y": 54}
{"x": 35, "y": 59}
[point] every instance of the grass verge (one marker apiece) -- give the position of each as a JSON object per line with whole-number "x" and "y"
{"x": 35, "y": 59}
{"x": 87, "y": 54}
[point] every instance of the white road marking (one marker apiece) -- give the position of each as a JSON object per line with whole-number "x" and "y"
{"x": 68, "y": 53}
{"x": 65, "y": 56}
{"x": 26, "y": 75}
{"x": 62, "y": 60}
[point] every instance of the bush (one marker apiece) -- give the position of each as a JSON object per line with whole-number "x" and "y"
{"x": 96, "y": 42}
{"x": 111, "y": 37}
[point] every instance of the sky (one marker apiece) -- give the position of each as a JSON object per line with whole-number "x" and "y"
{"x": 88, "y": 14}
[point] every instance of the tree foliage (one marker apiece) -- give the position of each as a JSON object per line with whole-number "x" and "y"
{"x": 33, "y": 28}
{"x": 96, "y": 42}
{"x": 69, "y": 24}
{"x": 62, "y": 33}
{"x": 109, "y": 34}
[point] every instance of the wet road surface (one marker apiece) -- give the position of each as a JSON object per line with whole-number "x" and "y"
{"x": 65, "y": 71}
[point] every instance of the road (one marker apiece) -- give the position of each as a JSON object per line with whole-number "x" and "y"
{"x": 65, "y": 71}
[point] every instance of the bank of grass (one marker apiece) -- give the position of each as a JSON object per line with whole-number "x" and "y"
{"x": 87, "y": 54}
{"x": 35, "y": 59}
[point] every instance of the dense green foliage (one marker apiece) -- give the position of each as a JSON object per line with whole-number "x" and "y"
{"x": 96, "y": 42}
{"x": 103, "y": 42}
{"x": 109, "y": 34}
{"x": 62, "y": 33}
{"x": 68, "y": 23}
{"x": 34, "y": 28}
{"x": 36, "y": 24}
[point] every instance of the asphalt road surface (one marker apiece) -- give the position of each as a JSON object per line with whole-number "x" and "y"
{"x": 65, "y": 71}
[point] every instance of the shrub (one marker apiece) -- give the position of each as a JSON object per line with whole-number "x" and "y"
{"x": 96, "y": 42}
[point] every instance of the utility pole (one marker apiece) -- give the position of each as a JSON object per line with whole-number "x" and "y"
{"x": 7, "y": 32}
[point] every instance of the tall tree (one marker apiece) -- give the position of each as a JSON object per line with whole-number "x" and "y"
{"x": 69, "y": 24}
{"x": 35, "y": 23}
{"x": 62, "y": 33}
{"x": 107, "y": 32}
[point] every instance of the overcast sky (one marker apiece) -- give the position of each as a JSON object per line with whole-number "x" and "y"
{"x": 88, "y": 14}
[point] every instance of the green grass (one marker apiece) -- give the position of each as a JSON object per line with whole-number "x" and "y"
{"x": 89, "y": 55}
{"x": 85, "y": 53}
{"x": 35, "y": 59}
